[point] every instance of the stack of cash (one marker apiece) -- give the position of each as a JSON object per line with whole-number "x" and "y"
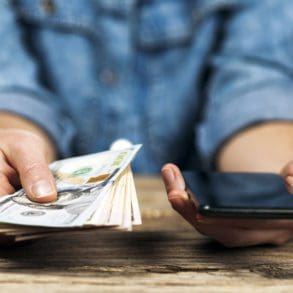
{"x": 94, "y": 191}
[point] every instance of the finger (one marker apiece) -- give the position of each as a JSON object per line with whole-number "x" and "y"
{"x": 35, "y": 176}
{"x": 181, "y": 204}
{"x": 8, "y": 171}
{"x": 5, "y": 186}
{"x": 174, "y": 180}
{"x": 172, "y": 177}
{"x": 236, "y": 237}
{"x": 247, "y": 223}
{"x": 177, "y": 195}
{"x": 12, "y": 176}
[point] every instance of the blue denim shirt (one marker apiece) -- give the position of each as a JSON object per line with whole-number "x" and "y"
{"x": 179, "y": 76}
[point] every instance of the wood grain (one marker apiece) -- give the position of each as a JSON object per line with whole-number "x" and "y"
{"x": 163, "y": 255}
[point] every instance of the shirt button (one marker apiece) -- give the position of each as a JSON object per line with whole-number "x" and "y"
{"x": 108, "y": 77}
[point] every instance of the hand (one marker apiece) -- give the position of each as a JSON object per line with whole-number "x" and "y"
{"x": 24, "y": 161}
{"x": 229, "y": 232}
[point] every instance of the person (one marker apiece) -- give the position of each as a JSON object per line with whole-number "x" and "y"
{"x": 200, "y": 83}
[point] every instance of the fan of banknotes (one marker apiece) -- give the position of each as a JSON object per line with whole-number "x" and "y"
{"x": 94, "y": 191}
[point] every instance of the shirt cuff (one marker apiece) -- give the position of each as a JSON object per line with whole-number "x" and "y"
{"x": 50, "y": 119}
{"x": 264, "y": 105}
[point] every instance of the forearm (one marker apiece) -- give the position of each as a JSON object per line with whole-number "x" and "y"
{"x": 263, "y": 148}
{"x": 9, "y": 120}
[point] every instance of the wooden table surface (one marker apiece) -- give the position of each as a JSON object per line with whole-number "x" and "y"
{"x": 162, "y": 255}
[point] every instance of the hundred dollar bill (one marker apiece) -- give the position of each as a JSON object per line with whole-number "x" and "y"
{"x": 83, "y": 184}
{"x": 94, "y": 168}
{"x": 116, "y": 209}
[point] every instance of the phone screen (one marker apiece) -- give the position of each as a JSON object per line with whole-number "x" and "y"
{"x": 240, "y": 194}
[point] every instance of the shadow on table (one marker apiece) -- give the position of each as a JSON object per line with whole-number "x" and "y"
{"x": 121, "y": 253}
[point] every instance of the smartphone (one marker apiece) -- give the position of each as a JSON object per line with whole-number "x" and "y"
{"x": 240, "y": 195}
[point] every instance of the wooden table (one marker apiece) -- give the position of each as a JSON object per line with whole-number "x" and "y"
{"x": 162, "y": 255}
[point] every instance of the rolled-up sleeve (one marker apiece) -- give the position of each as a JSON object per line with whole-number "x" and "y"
{"x": 252, "y": 73}
{"x": 20, "y": 90}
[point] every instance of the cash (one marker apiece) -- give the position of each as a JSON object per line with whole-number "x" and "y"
{"x": 94, "y": 191}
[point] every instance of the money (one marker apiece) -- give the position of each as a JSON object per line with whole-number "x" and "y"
{"x": 94, "y": 191}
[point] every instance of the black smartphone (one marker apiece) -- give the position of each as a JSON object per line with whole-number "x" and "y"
{"x": 240, "y": 195}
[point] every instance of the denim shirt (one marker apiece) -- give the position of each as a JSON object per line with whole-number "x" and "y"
{"x": 179, "y": 76}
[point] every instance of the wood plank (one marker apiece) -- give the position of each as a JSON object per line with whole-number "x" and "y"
{"x": 164, "y": 254}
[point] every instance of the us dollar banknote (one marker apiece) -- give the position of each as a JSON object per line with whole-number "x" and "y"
{"x": 93, "y": 190}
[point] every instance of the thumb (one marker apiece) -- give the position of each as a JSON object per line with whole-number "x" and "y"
{"x": 175, "y": 186}
{"x": 35, "y": 176}
{"x": 177, "y": 195}
{"x": 172, "y": 177}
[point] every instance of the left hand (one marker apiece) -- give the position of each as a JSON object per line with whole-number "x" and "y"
{"x": 229, "y": 232}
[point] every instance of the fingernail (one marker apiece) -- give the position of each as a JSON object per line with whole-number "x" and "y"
{"x": 168, "y": 176}
{"x": 42, "y": 189}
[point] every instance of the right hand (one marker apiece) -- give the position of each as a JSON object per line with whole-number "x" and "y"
{"x": 24, "y": 162}
{"x": 229, "y": 232}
